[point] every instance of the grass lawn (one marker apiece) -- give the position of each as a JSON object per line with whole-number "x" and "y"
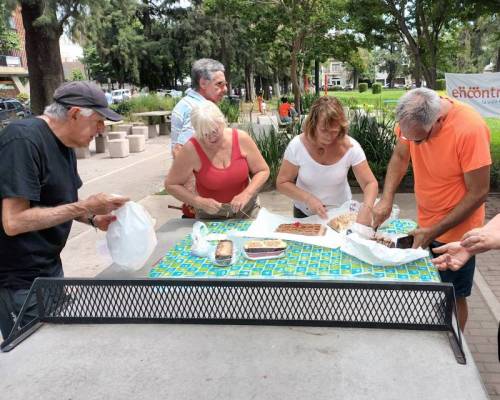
{"x": 390, "y": 95}
{"x": 494, "y": 124}
{"x": 387, "y": 97}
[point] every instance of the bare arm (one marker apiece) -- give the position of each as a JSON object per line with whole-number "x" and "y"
{"x": 285, "y": 183}
{"x": 396, "y": 170}
{"x": 256, "y": 163}
{"x": 369, "y": 185}
{"x": 18, "y": 217}
{"x": 180, "y": 173}
{"x": 494, "y": 224}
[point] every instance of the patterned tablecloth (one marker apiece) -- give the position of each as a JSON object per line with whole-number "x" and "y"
{"x": 302, "y": 261}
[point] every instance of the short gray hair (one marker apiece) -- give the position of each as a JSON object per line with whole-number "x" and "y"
{"x": 58, "y": 111}
{"x": 421, "y": 106}
{"x": 205, "y": 117}
{"x": 204, "y": 68}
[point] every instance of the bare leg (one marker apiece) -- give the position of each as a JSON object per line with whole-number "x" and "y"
{"x": 462, "y": 312}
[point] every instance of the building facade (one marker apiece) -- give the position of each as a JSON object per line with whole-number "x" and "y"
{"x": 14, "y": 66}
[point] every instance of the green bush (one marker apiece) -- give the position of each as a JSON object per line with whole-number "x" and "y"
{"x": 230, "y": 110}
{"x": 307, "y": 100}
{"x": 441, "y": 84}
{"x": 376, "y": 136}
{"x": 363, "y": 87}
{"x": 349, "y": 102}
{"x": 151, "y": 102}
{"x": 23, "y": 97}
{"x": 124, "y": 108}
{"x": 272, "y": 146}
{"x": 376, "y": 88}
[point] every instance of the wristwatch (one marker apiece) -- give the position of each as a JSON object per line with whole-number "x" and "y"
{"x": 91, "y": 221}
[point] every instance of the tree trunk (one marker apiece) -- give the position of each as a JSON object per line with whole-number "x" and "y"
{"x": 355, "y": 78}
{"x": 497, "y": 69}
{"x": 146, "y": 19}
{"x": 225, "y": 59}
{"x": 286, "y": 85}
{"x": 276, "y": 84}
{"x": 249, "y": 83}
{"x": 267, "y": 92}
{"x": 296, "y": 46}
{"x": 316, "y": 76}
{"x": 43, "y": 55}
{"x": 258, "y": 85}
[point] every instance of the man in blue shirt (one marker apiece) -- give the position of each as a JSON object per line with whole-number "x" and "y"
{"x": 208, "y": 84}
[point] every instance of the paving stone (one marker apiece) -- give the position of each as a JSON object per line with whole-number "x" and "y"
{"x": 490, "y": 377}
{"x": 485, "y": 348}
{"x": 482, "y": 332}
{"x": 490, "y": 367}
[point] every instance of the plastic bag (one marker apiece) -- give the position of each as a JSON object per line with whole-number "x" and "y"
{"x": 131, "y": 238}
{"x": 201, "y": 246}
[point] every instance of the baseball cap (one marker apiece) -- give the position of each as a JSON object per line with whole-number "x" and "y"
{"x": 85, "y": 94}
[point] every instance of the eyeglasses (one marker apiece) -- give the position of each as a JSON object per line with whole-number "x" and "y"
{"x": 221, "y": 84}
{"x": 431, "y": 129}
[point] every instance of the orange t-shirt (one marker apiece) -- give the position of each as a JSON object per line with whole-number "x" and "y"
{"x": 439, "y": 163}
{"x": 284, "y": 109}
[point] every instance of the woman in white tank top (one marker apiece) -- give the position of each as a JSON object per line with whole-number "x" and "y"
{"x": 315, "y": 165}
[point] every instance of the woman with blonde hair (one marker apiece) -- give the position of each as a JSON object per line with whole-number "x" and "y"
{"x": 228, "y": 168}
{"x": 315, "y": 165}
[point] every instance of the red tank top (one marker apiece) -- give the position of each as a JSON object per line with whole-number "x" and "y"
{"x": 221, "y": 184}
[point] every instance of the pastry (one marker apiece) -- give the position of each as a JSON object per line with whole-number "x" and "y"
{"x": 262, "y": 246}
{"x": 268, "y": 248}
{"x": 224, "y": 251}
{"x": 298, "y": 228}
{"x": 343, "y": 221}
{"x": 386, "y": 241}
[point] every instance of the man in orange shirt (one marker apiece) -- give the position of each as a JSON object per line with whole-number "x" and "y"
{"x": 449, "y": 145}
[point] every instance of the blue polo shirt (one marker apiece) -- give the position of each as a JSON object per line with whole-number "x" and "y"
{"x": 182, "y": 130}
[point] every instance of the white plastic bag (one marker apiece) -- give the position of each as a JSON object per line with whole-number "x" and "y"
{"x": 200, "y": 247}
{"x": 131, "y": 238}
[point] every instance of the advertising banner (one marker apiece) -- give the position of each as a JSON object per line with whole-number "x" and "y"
{"x": 481, "y": 91}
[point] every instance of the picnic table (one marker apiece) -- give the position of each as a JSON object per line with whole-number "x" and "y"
{"x": 234, "y": 358}
{"x": 164, "y": 116}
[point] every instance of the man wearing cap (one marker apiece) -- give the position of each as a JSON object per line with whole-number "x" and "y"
{"x": 39, "y": 191}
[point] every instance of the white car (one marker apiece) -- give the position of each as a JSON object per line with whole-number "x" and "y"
{"x": 174, "y": 93}
{"x": 120, "y": 95}
{"x": 169, "y": 92}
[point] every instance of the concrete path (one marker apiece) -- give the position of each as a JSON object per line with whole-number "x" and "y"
{"x": 141, "y": 175}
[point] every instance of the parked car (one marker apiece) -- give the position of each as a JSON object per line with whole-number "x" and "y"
{"x": 169, "y": 92}
{"x": 174, "y": 93}
{"x": 11, "y": 109}
{"x": 120, "y": 95}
